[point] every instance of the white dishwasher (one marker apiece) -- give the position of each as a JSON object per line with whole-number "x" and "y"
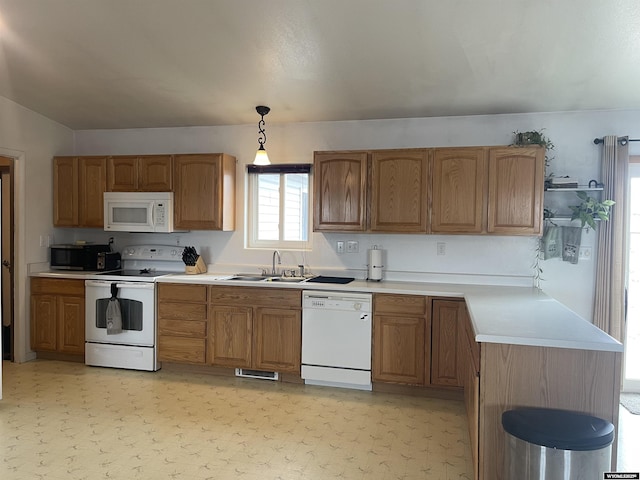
{"x": 336, "y": 339}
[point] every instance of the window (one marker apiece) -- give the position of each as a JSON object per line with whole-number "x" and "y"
{"x": 278, "y": 213}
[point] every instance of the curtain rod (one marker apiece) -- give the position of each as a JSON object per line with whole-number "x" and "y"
{"x": 621, "y": 140}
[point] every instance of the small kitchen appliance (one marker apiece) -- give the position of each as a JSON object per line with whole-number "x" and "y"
{"x": 135, "y": 347}
{"x": 108, "y": 261}
{"x": 76, "y": 256}
{"x": 138, "y": 212}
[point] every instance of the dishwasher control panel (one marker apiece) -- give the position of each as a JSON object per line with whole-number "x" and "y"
{"x": 336, "y": 301}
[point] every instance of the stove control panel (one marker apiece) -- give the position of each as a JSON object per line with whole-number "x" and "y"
{"x": 152, "y": 252}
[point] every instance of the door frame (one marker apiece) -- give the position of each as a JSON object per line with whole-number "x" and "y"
{"x": 7, "y": 227}
{"x": 22, "y": 350}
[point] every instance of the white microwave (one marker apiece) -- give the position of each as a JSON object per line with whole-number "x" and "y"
{"x": 138, "y": 212}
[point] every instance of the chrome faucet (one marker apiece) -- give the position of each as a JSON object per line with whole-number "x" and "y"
{"x": 276, "y": 253}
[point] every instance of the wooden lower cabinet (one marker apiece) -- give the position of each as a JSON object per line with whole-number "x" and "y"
{"x": 400, "y": 339}
{"x": 226, "y": 326}
{"x": 258, "y": 328}
{"x": 277, "y": 340}
{"x": 469, "y": 375}
{"x": 511, "y": 376}
{"x": 231, "y": 330}
{"x": 57, "y": 315}
{"x": 499, "y": 377}
{"x": 182, "y": 323}
{"x": 399, "y": 349}
{"x": 415, "y": 340}
{"x": 446, "y": 323}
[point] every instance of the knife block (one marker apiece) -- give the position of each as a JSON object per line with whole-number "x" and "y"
{"x": 199, "y": 267}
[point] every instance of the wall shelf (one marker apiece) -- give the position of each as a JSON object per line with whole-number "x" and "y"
{"x": 565, "y": 218}
{"x": 578, "y": 189}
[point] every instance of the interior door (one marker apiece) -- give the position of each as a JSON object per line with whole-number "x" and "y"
{"x": 631, "y": 382}
{"x": 6, "y": 268}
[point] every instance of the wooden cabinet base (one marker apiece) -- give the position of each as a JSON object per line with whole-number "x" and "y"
{"x": 445, "y": 393}
{"x": 584, "y": 381}
{"x": 223, "y": 372}
{"x": 62, "y": 357}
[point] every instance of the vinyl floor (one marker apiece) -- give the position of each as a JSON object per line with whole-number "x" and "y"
{"x": 61, "y": 420}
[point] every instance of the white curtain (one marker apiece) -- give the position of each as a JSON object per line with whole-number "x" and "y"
{"x": 609, "y": 304}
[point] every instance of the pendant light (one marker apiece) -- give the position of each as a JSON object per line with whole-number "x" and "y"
{"x": 261, "y": 154}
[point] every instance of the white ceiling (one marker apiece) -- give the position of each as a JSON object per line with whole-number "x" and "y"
{"x": 158, "y": 63}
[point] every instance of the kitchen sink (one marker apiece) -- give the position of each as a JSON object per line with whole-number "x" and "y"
{"x": 286, "y": 279}
{"x": 250, "y": 278}
{"x": 266, "y": 278}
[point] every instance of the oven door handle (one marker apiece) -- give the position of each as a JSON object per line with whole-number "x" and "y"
{"x": 136, "y": 285}
{"x": 132, "y": 285}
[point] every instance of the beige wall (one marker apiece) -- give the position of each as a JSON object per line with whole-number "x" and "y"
{"x": 32, "y": 140}
{"x": 467, "y": 257}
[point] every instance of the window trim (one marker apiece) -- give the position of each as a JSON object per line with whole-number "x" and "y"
{"x": 251, "y": 242}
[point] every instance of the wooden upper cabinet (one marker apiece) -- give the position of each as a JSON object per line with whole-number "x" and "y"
{"x": 65, "y": 191}
{"x": 78, "y": 187}
{"x": 340, "y": 195}
{"x": 516, "y": 188}
{"x": 93, "y": 184}
{"x": 122, "y": 174}
{"x": 204, "y": 191}
{"x": 399, "y": 185}
{"x": 155, "y": 173}
{"x": 140, "y": 173}
{"x": 458, "y": 184}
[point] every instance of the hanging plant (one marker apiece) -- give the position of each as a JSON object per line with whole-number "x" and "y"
{"x": 537, "y": 263}
{"x": 590, "y": 210}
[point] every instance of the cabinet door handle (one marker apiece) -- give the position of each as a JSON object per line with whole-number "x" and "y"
{"x": 6, "y": 264}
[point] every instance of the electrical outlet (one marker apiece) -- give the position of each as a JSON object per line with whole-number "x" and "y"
{"x": 585, "y": 253}
{"x": 441, "y": 248}
{"x": 340, "y": 246}
{"x": 352, "y": 246}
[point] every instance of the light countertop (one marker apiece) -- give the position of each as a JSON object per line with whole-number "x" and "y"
{"x": 511, "y": 315}
{"x": 499, "y": 314}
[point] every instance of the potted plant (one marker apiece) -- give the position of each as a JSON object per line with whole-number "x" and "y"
{"x": 590, "y": 209}
{"x": 535, "y": 137}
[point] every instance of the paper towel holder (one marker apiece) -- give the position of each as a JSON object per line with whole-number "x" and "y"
{"x": 371, "y": 268}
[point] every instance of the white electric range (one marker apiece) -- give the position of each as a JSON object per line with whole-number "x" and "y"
{"x": 135, "y": 288}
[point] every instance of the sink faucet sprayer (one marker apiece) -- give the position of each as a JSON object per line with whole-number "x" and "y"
{"x": 273, "y": 262}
